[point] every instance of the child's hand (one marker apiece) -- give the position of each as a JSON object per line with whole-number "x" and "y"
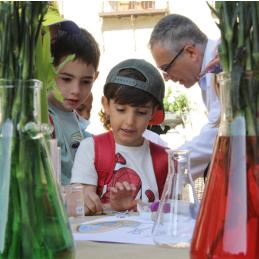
{"x": 93, "y": 203}
{"x": 121, "y": 196}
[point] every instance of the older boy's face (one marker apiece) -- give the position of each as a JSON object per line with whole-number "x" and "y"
{"x": 127, "y": 122}
{"x": 75, "y": 81}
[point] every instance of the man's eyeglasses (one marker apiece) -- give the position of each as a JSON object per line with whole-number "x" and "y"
{"x": 166, "y": 67}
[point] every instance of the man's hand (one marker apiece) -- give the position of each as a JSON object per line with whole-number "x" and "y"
{"x": 121, "y": 196}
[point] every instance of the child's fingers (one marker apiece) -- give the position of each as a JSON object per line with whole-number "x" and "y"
{"x": 93, "y": 203}
{"x": 127, "y": 186}
{"x": 133, "y": 187}
{"x": 119, "y": 186}
{"x": 90, "y": 207}
{"x": 98, "y": 207}
{"x": 113, "y": 190}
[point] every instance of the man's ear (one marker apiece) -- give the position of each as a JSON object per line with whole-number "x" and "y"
{"x": 192, "y": 51}
{"x": 106, "y": 106}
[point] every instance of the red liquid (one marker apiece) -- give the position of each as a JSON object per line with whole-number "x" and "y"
{"x": 228, "y": 222}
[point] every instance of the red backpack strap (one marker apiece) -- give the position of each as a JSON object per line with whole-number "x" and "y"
{"x": 104, "y": 147}
{"x": 160, "y": 164}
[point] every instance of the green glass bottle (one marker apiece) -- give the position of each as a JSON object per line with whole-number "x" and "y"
{"x": 33, "y": 221}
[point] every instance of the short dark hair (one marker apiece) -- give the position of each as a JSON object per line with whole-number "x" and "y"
{"x": 82, "y": 44}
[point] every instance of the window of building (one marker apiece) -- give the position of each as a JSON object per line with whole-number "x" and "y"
{"x": 122, "y": 8}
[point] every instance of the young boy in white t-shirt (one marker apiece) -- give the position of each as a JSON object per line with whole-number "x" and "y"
{"x": 121, "y": 166}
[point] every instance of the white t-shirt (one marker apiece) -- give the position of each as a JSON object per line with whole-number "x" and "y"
{"x": 135, "y": 161}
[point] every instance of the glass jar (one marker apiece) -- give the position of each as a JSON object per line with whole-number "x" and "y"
{"x": 73, "y": 198}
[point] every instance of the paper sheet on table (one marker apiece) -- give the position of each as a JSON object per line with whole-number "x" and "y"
{"x": 130, "y": 229}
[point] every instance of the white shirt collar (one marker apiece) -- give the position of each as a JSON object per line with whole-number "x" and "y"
{"x": 209, "y": 54}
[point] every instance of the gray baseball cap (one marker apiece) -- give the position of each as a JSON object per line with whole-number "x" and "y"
{"x": 153, "y": 85}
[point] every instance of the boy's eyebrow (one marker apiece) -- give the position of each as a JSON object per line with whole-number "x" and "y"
{"x": 67, "y": 74}
{"x": 143, "y": 106}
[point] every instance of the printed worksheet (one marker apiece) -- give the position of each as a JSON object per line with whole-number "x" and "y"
{"x": 127, "y": 229}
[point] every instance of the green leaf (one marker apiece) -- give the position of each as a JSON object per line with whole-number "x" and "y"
{"x": 68, "y": 59}
{"x": 53, "y": 16}
{"x": 44, "y": 69}
{"x": 58, "y": 94}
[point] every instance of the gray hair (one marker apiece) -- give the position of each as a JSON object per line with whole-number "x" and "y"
{"x": 174, "y": 31}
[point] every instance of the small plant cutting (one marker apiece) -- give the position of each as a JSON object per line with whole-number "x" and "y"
{"x": 33, "y": 223}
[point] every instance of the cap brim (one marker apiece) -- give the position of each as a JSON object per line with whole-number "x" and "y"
{"x": 158, "y": 118}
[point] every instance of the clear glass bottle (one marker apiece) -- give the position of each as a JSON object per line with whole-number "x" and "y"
{"x": 33, "y": 222}
{"x": 178, "y": 206}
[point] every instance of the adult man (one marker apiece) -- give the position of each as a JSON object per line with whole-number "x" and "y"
{"x": 183, "y": 54}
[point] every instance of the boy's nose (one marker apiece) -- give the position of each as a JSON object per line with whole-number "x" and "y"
{"x": 130, "y": 120}
{"x": 75, "y": 89}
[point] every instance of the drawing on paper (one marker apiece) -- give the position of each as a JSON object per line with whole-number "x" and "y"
{"x": 101, "y": 227}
